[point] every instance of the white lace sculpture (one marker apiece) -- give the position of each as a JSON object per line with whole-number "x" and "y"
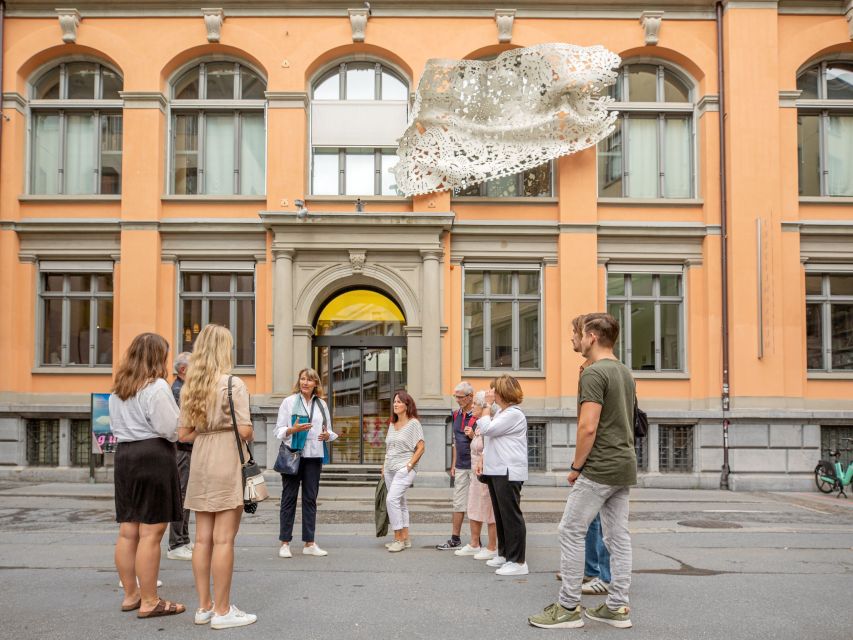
{"x": 475, "y": 121}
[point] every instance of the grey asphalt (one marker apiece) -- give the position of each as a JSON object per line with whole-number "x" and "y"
{"x": 783, "y": 570}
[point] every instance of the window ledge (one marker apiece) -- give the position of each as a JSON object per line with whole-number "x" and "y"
{"x": 826, "y": 200}
{"x": 830, "y": 375}
{"x": 209, "y": 198}
{"x": 513, "y": 200}
{"x": 661, "y": 375}
{"x": 352, "y": 199}
{"x": 494, "y": 373}
{"x": 653, "y": 202}
{"x": 244, "y": 371}
{"x": 71, "y": 370}
{"x": 70, "y": 198}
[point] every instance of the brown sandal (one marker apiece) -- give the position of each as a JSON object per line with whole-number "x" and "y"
{"x": 132, "y": 607}
{"x": 163, "y": 608}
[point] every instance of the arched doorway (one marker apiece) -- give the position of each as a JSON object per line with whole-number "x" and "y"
{"x": 360, "y": 354}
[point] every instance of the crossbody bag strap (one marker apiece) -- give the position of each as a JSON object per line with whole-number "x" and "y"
{"x": 234, "y": 424}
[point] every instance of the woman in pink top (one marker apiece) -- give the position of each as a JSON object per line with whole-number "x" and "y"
{"x": 479, "y": 503}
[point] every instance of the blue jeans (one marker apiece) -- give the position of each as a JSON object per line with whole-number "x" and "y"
{"x": 597, "y": 560}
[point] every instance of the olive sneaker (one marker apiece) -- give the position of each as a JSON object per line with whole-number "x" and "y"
{"x": 556, "y": 616}
{"x": 619, "y": 618}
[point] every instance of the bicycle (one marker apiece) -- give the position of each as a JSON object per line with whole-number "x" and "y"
{"x": 831, "y": 477}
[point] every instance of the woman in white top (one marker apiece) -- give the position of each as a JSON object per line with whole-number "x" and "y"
{"x": 404, "y": 446}
{"x": 504, "y": 466}
{"x": 144, "y": 420}
{"x": 303, "y": 423}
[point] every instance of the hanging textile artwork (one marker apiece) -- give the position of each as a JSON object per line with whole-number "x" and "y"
{"x": 474, "y": 121}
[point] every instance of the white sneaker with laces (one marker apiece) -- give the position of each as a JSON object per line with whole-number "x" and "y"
{"x": 396, "y": 546}
{"x": 203, "y": 616}
{"x": 485, "y": 554}
{"x": 513, "y": 569}
{"x": 284, "y": 551}
{"x": 497, "y": 561}
{"x": 467, "y": 550}
{"x": 595, "y": 587}
{"x": 184, "y": 552}
{"x": 314, "y": 550}
{"x": 234, "y": 618}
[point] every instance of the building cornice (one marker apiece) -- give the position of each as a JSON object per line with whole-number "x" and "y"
{"x": 389, "y": 220}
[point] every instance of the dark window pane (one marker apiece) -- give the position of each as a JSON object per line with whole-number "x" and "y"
{"x": 618, "y": 312}
{"x": 473, "y": 335}
{"x": 808, "y": 152}
{"x": 80, "y": 282}
{"x": 245, "y": 282}
{"x": 814, "y": 337}
{"x": 220, "y": 282}
{"x": 501, "y": 282}
{"x": 807, "y": 83}
{"x": 52, "y": 350}
{"x": 186, "y": 88}
{"x": 111, "y": 132}
{"x": 470, "y": 190}
{"x": 220, "y": 312}
{"x": 670, "y": 336}
{"x": 839, "y": 81}
{"x": 111, "y": 84}
{"x": 505, "y": 187}
{"x": 244, "y": 340}
{"x": 251, "y": 86}
{"x": 641, "y": 284}
{"x": 104, "y": 348}
{"x": 186, "y": 154}
{"x": 104, "y": 282}
{"x": 81, "y": 80}
{"x": 78, "y": 332}
{"x": 220, "y": 80}
{"x": 610, "y": 164}
{"x": 528, "y": 335}
{"x": 841, "y": 285}
{"x": 528, "y": 282}
{"x": 674, "y": 90}
{"x": 192, "y": 282}
{"x": 669, "y": 284}
{"x": 48, "y": 86}
{"x": 814, "y": 285}
{"x": 643, "y": 336}
{"x": 53, "y": 282}
{"x": 537, "y": 182}
{"x": 615, "y": 284}
{"x": 191, "y": 323}
{"x": 473, "y": 282}
{"x": 842, "y": 336}
{"x": 642, "y": 83}
{"x": 501, "y": 331}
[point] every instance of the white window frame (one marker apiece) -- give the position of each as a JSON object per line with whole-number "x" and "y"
{"x": 487, "y": 297}
{"x": 378, "y": 152}
{"x": 825, "y": 299}
{"x": 201, "y": 108}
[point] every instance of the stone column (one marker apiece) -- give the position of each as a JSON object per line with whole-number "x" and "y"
{"x": 431, "y": 322}
{"x": 282, "y": 339}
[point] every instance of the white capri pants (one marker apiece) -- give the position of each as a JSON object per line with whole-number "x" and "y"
{"x": 397, "y": 482}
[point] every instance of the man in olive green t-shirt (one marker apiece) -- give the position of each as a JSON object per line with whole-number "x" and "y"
{"x": 604, "y": 467}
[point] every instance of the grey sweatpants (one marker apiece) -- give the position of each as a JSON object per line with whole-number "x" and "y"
{"x": 587, "y": 498}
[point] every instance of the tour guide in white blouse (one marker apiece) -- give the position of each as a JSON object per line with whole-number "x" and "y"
{"x": 505, "y": 469}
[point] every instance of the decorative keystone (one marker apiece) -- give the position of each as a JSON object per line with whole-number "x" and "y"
{"x": 358, "y": 23}
{"x": 213, "y": 19}
{"x": 651, "y": 25}
{"x": 69, "y": 20}
{"x": 356, "y": 260}
{"x": 504, "y": 19}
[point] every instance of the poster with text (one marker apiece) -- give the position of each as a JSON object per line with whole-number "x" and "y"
{"x": 103, "y": 439}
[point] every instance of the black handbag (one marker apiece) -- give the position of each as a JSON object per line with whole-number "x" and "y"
{"x": 641, "y": 421}
{"x": 254, "y": 486}
{"x": 288, "y": 459}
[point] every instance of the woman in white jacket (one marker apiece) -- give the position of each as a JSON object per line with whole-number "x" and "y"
{"x": 504, "y": 466}
{"x": 304, "y": 412}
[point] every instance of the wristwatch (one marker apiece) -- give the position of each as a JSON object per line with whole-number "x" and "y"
{"x": 572, "y": 467}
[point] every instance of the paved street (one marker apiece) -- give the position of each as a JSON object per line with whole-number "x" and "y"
{"x": 707, "y": 564}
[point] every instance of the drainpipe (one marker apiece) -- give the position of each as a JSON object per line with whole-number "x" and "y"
{"x": 724, "y": 248}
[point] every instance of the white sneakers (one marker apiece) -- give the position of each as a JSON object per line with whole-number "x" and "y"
{"x": 203, "y": 616}
{"x": 313, "y": 550}
{"x": 396, "y": 546}
{"x": 513, "y": 569}
{"x": 234, "y": 618}
{"x": 284, "y": 551}
{"x": 485, "y": 554}
{"x": 467, "y": 550}
{"x": 595, "y": 587}
{"x": 407, "y": 543}
{"x": 497, "y": 561}
{"x": 184, "y": 552}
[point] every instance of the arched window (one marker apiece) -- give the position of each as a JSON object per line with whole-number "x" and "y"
{"x": 218, "y": 131}
{"x": 825, "y": 129}
{"x": 358, "y": 111}
{"x": 650, "y": 154}
{"x": 76, "y": 130}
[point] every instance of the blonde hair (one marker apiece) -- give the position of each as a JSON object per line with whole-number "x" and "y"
{"x": 143, "y": 363}
{"x": 509, "y": 389}
{"x": 312, "y": 375}
{"x": 211, "y": 358}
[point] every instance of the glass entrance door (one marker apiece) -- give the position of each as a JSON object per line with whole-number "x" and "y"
{"x": 361, "y": 382}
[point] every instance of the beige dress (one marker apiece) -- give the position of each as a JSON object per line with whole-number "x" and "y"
{"x": 479, "y": 502}
{"x": 215, "y": 483}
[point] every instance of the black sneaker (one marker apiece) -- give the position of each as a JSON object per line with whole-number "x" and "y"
{"x": 450, "y": 544}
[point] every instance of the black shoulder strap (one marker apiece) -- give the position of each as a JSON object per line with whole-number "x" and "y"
{"x": 234, "y": 424}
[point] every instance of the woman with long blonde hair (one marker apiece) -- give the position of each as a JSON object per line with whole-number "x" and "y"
{"x": 215, "y": 487}
{"x": 144, "y": 420}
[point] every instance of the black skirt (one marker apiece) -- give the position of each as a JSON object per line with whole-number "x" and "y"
{"x": 147, "y": 482}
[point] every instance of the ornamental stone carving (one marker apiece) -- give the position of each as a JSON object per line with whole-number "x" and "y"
{"x": 69, "y": 20}
{"x": 651, "y": 25}
{"x": 848, "y": 13}
{"x": 213, "y": 19}
{"x": 356, "y": 260}
{"x": 504, "y": 19}
{"x": 358, "y": 23}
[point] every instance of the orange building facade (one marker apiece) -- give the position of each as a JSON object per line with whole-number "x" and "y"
{"x": 161, "y": 168}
